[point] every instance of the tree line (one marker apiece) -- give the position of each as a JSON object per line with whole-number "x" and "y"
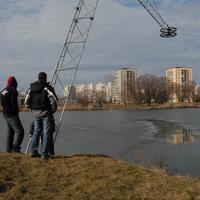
{"x": 150, "y": 89}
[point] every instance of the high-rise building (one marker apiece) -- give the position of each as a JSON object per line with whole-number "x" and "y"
{"x": 125, "y": 85}
{"x": 179, "y": 81}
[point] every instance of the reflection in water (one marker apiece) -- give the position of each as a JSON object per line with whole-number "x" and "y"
{"x": 182, "y": 136}
{"x": 172, "y": 132}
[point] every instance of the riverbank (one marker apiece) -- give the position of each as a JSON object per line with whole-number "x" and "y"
{"x": 88, "y": 177}
{"x": 150, "y": 107}
{"x": 93, "y": 107}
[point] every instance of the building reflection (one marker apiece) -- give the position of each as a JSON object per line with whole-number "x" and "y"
{"x": 182, "y": 136}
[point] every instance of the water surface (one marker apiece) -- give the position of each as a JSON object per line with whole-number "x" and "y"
{"x": 169, "y": 138}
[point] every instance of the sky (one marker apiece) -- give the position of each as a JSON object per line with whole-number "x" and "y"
{"x": 123, "y": 34}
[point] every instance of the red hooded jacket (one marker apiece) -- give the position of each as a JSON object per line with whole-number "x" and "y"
{"x": 9, "y": 98}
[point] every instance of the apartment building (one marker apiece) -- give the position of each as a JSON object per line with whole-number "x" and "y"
{"x": 92, "y": 92}
{"x": 178, "y": 81}
{"x": 124, "y": 85}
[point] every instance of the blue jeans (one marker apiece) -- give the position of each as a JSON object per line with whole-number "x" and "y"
{"x": 15, "y": 134}
{"x": 46, "y": 126}
{"x": 39, "y": 137}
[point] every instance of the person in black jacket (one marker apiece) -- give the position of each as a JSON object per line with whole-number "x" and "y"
{"x": 41, "y": 99}
{"x": 9, "y": 103}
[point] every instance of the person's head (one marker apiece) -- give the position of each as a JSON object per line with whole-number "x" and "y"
{"x": 12, "y": 82}
{"x": 42, "y": 76}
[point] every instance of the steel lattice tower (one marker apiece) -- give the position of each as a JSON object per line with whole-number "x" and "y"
{"x": 72, "y": 51}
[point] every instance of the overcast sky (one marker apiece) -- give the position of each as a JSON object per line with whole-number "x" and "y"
{"x": 32, "y": 34}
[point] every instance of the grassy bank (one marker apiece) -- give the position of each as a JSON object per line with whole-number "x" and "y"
{"x": 88, "y": 177}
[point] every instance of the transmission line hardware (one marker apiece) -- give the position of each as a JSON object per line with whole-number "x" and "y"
{"x": 166, "y": 31}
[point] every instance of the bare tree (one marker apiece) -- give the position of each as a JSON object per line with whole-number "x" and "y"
{"x": 132, "y": 91}
{"x": 185, "y": 92}
{"x": 82, "y": 97}
{"x": 161, "y": 95}
{"x": 148, "y": 87}
{"x": 100, "y": 97}
{"x": 152, "y": 89}
{"x": 196, "y": 94}
{"x": 123, "y": 94}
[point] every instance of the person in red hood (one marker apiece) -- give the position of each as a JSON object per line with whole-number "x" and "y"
{"x": 10, "y": 107}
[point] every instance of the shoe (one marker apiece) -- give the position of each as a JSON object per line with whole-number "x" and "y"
{"x": 35, "y": 155}
{"x": 46, "y": 157}
{"x": 16, "y": 151}
{"x": 52, "y": 156}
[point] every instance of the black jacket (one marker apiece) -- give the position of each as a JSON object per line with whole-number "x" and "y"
{"x": 9, "y": 97}
{"x": 38, "y": 96}
{"x": 41, "y": 98}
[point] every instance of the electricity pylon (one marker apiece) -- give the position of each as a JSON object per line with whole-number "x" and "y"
{"x": 72, "y": 51}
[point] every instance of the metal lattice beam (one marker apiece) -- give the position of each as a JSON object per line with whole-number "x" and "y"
{"x": 72, "y": 50}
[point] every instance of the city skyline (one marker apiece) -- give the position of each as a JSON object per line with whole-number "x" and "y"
{"x": 123, "y": 34}
{"x": 126, "y": 86}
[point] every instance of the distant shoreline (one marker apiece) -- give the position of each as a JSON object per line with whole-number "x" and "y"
{"x": 93, "y": 107}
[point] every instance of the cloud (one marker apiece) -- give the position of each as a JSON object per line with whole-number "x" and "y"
{"x": 123, "y": 33}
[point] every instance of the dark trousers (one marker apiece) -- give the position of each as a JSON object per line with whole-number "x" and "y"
{"x": 15, "y": 134}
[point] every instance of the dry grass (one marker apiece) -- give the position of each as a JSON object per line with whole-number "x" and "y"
{"x": 88, "y": 177}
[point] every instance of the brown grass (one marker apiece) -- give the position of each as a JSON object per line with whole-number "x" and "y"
{"x": 88, "y": 177}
